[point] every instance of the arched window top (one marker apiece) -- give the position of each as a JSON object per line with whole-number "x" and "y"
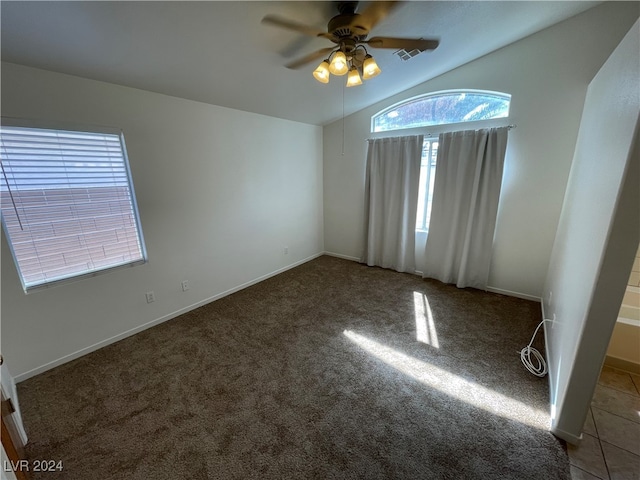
{"x": 440, "y": 108}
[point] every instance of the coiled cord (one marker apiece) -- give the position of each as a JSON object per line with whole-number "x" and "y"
{"x": 531, "y": 358}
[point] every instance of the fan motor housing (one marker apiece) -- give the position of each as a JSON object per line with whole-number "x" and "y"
{"x": 341, "y": 26}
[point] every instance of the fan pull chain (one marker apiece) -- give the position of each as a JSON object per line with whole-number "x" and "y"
{"x": 343, "y": 88}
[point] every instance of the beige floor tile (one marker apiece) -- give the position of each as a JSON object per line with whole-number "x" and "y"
{"x": 622, "y": 465}
{"x": 618, "y": 431}
{"x": 618, "y": 380}
{"x": 617, "y": 402}
{"x": 588, "y": 456}
{"x": 589, "y": 425}
{"x": 579, "y": 474}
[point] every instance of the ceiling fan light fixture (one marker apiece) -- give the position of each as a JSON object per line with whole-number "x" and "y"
{"x": 349, "y": 31}
{"x": 321, "y": 73}
{"x": 353, "y": 78}
{"x": 370, "y": 68}
{"x": 339, "y": 64}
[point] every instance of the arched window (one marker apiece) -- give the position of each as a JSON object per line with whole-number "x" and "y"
{"x": 440, "y": 108}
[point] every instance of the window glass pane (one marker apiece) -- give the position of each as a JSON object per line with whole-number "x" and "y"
{"x": 443, "y": 108}
{"x": 67, "y": 204}
{"x": 425, "y": 189}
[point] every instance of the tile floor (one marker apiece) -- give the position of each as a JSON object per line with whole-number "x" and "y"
{"x": 610, "y": 448}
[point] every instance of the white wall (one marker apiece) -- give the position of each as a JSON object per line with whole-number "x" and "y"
{"x": 220, "y": 193}
{"x": 597, "y": 237}
{"x": 547, "y": 74}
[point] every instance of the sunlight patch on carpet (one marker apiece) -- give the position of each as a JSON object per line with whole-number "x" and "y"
{"x": 453, "y": 385}
{"x": 425, "y": 326}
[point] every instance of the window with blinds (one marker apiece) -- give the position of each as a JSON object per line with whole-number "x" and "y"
{"x": 68, "y": 204}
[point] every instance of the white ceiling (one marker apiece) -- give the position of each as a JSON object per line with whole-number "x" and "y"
{"x": 220, "y": 53}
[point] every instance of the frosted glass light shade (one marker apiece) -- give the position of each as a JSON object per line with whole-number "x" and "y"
{"x": 370, "y": 68}
{"x": 322, "y": 72}
{"x": 353, "y": 78}
{"x": 339, "y": 64}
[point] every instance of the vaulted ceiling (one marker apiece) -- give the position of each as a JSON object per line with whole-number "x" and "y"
{"x": 220, "y": 52}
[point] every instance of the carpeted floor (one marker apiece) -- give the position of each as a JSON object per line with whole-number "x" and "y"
{"x": 331, "y": 370}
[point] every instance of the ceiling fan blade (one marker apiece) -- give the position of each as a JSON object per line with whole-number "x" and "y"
{"x": 408, "y": 44}
{"x": 277, "y": 21}
{"x": 373, "y": 14}
{"x": 300, "y": 62}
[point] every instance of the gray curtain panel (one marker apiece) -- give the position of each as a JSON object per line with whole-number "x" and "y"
{"x": 465, "y": 205}
{"x": 391, "y": 198}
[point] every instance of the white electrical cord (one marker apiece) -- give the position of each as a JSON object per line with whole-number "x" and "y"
{"x": 529, "y": 355}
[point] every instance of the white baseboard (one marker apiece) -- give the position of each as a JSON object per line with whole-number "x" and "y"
{"x": 622, "y": 364}
{"x": 629, "y": 321}
{"x": 345, "y": 257}
{"x": 358, "y": 260}
{"x": 509, "y": 293}
{"x": 566, "y": 436}
{"x": 500, "y": 291}
{"x": 96, "y": 346}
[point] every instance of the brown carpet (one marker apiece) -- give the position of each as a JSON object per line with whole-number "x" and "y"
{"x": 320, "y": 372}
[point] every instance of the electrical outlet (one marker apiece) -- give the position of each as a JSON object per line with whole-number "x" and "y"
{"x": 185, "y": 285}
{"x": 151, "y": 297}
{"x": 286, "y": 250}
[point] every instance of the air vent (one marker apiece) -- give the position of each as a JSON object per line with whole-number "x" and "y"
{"x": 404, "y": 55}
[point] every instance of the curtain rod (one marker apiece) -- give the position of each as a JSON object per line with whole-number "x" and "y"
{"x": 510, "y": 127}
{"x": 427, "y": 135}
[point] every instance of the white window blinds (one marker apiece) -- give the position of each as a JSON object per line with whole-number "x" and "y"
{"x": 67, "y": 201}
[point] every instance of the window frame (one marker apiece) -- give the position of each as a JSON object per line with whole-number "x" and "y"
{"x": 473, "y": 124}
{"x": 432, "y": 132}
{"x": 97, "y": 129}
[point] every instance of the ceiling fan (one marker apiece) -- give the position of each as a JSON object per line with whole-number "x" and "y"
{"x": 348, "y": 31}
